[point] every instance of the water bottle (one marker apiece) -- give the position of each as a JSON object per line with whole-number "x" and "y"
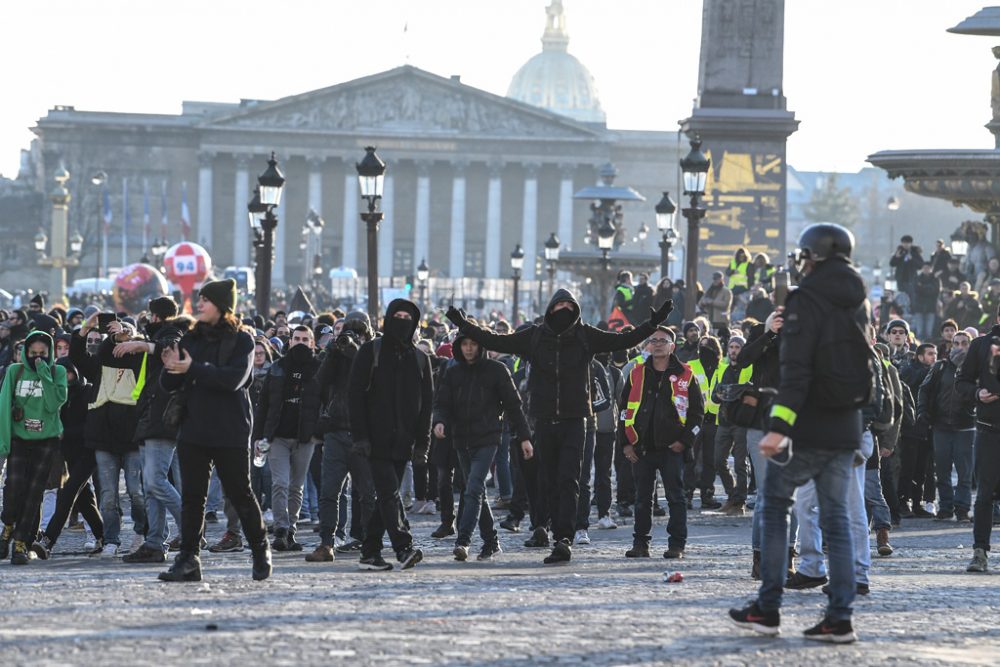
{"x": 260, "y": 451}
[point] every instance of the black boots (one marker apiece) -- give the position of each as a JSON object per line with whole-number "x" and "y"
{"x": 186, "y": 567}
{"x": 261, "y": 560}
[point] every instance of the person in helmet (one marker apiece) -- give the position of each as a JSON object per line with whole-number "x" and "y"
{"x": 825, "y": 380}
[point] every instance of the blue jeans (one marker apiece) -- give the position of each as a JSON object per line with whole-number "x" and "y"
{"x": 161, "y": 496}
{"x": 214, "y": 502}
{"x": 475, "y": 464}
{"x": 505, "y": 483}
{"x": 858, "y": 518}
{"x": 109, "y": 467}
{"x": 953, "y": 448}
{"x": 812, "y": 562}
{"x": 759, "y": 475}
{"x": 923, "y": 325}
{"x": 831, "y": 470}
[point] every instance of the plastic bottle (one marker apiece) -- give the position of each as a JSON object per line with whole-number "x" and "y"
{"x": 260, "y": 451}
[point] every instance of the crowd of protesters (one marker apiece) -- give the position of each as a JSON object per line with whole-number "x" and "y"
{"x": 344, "y": 425}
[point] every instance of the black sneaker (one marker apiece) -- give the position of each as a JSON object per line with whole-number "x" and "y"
{"x": 511, "y": 525}
{"x": 353, "y": 545}
{"x": 828, "y": 630}
{"x": 710, "y": 504}
{"x": 210, "y": 517}
{"x": 291, "y": 544}
{"x": 862, "y": 589}
{"x": 461, "y": 552}
{"x": 800, "y": 582}
{"x": 962, "y": 516}
{"x": 752, "y": 618}
{"x": 230, "y": 543}
{"x": 145, "y": 555}
{"x": 539, "y": 539}
{"x": 944, "y": 515}
{"x": 638, "y": 550}
{"x": 921, "y": 513}
{"x": 280, "y": 540}
{"x": 658, "y": 510}
{"x": 42, "y": 547}
{"x": 625, "y": 510}
{"x": 374, "y": 563}
{"x": 443, "y": 531}
{"x": 561, "y": 553}
{"x": 489, "y": 551}
{"x": 409, "y": 557}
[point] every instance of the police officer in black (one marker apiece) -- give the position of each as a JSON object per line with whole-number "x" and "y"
{"x": 559, "y": 351}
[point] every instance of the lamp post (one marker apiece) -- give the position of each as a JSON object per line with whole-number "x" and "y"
{"x": 666, "y": 212}
{"x": 423, "y": 275}
{"x": 159, "y": 249}
{"x": 552, "y": 257}
{"x": 98, "y": 180}
{"x": 261, "y": 211}
{"x": 371, "y": 176}
{"x": 59, "y": 260}
{"x": 694, "y": 167}
{"x": 605, "y": 241}
{"x": 516, "y": 263}
{"x": 312, "y": 232}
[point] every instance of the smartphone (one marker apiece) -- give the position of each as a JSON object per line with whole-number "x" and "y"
{"x": 104, "y": 319}
{"x": 780, "y": 287}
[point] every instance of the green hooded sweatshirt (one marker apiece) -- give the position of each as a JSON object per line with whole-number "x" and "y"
{"x": 40, "y": 393}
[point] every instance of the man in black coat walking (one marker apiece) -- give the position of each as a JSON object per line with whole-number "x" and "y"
{"x": 559, "y": 351}
{"x": 391, "y": 393}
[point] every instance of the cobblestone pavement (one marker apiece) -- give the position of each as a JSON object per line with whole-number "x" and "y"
{"x": 601, "y": 609}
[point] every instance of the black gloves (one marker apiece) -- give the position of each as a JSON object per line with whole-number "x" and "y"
{"x": 657, "y": 317}
{"x": 456, "y": 316}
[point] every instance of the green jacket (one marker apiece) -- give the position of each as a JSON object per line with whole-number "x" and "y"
{"x": 40, "y": 393}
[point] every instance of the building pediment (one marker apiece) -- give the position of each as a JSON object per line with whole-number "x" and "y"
{"x": 405, "y": 101}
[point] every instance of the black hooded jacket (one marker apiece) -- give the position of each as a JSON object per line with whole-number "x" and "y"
{"x": 472, "y": 400}
{"x": 761, "y": 352}
{"x": 979, "y": 372}
{"x": 153, "y": 399}
{"x": 559, "y": 382}
{"x": 334, "y": 386}
{"x": 797, "y": 412}
{"x": 391, "y": 402}
{"x": 277, "y": 392}
{"x": 73, "y": 413}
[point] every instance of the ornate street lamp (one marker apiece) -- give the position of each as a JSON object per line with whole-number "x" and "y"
{"x": 694, "y": 167}
{"x": 76, "y": 243}
{"x": 267, "y": 196}
{"x": 516, "y": 264}
{"x": 371, "y": 176}
{"x": 41, "y": 241}
{"x": 605, "y": 241}
{"x": 666, "y": 212}
{"x": 423, "y": 275}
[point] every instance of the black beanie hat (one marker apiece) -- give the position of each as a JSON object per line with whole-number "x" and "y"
{"x": 163, "y": 307}
{"x": 222, "y": 293}
{"x": 39, "y": 300}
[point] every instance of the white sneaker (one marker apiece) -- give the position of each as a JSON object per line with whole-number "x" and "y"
{"x": 418, "y": 507}
{"x": 929, "y": 507}
{"x": 269, "y": 517}
{"x": 581, "y": 537}
{"x": 606, "y": 523}
{"x": 137, "y": 541}
{"x": 109, "y": 551}
{"x": 430, "y": 507}
{"x": 338, "y": 542}
{"x": 90, "y": 543}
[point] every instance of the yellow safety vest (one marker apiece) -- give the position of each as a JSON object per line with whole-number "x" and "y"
{"x": 744, "y": 378}
{"x": 626, "y": 292}
{"x": 679, "y": 395}
{"x": 711, "y": 407}
{"x": 738, "y": 274}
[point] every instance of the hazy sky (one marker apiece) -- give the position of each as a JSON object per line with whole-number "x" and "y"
{"x": 861, "y": 75}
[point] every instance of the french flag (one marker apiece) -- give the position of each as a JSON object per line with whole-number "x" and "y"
{"x": 185, "y": 213}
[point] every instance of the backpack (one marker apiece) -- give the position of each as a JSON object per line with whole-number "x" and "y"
{"x": 879, "y": 411}
{"x": 601, "y": 400}
{"x": 846, "y": 365}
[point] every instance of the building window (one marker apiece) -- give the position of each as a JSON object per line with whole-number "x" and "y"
{"x": 402, "y": 261}
{"x": 475, "y": 258}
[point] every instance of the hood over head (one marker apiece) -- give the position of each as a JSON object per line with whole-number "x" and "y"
{"x": 456, "y": 349}
{"x": 401, "y": 330}
{"x": 70, "y": 367}
{"x": 837, "y": 281}
{"x": 556, "y": 321}
{"x": 36, "y": 336}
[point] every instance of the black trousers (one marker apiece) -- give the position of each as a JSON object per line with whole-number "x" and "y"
{"x": 233, "y": 465}
{"x": 916, "y": 460}
{"x": 699, "y": 471}
{"x": 526, "y": 498}
{"x": 76, "y": 493}
{"x": 449, "y": 480}
{"x": 625, "y": 476}
{"x": 28, "y": 467}
{"x": 670, "y": 465}
{"x": 560, "y": 447}
{"x": 987, "y": 463}
{"x": 604, "y": 454}
{"x": 389, "y": 515}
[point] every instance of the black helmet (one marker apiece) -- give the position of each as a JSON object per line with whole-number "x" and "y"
{"x": 823, "y": 240}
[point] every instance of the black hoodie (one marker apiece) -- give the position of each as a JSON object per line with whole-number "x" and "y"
{"x": 473, "y": 398}
{"x": 796, "y": 412}
{"x": 390, "y": 403}
{"x": 979, "y": 372}
{"x": 559, "y": 381}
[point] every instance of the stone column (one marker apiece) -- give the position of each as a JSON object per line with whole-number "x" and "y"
{"x": 386, "y": 252}
{"x": 205, "y": 200}
{"x": 456, "y": 255}
{"x": 529, "y": 220}
{"x": 316, "y": 184}
{"x": 349, "y": 256}
{"x": 566, "y": 206}
{"x": 241, "y": 225}
{"x": 494, "y": 195}
{"x": 278, "y": 280}
{"x": 422, "y": 228}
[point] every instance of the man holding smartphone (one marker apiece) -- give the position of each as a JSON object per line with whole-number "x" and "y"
{"x": 825, "y": 378}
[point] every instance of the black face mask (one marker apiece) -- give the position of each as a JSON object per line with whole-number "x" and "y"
{"x": 399, "y": 330}
{"x": 300, "y": 353}
{"x": 560, "y": 320}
